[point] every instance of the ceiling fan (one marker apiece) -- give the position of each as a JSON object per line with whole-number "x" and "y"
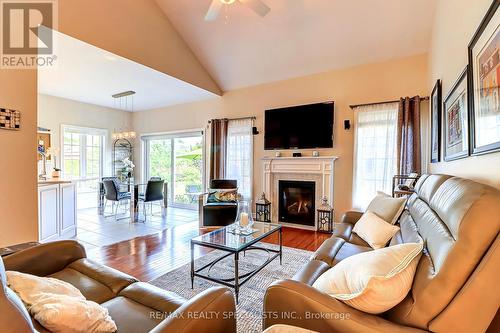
{"x": 256, "y": 5}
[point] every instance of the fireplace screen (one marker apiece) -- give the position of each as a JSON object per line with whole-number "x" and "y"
{"x": 297, "y": 202}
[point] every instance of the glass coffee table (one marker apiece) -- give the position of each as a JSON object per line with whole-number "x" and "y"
{"x": 224, "y": 239}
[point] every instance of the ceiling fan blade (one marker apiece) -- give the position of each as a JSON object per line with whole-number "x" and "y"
{"x": 257, "y": 5}
{"x": 214, "y": 10}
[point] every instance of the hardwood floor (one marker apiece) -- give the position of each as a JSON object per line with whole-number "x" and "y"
{"x": 148, "y": 257}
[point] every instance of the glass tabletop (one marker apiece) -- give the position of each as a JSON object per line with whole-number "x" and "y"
{"x": 224, "y": 238}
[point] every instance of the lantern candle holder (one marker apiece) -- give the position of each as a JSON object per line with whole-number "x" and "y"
{"x": 325, "y": 217}
{"x": 263, "y": 209}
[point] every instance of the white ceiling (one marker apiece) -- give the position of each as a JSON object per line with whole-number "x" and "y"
{"x": 89, "y": 74}
{"x": 300, "y": 37}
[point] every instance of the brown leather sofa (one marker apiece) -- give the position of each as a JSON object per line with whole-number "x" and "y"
{"x": 134, "y": 306}
{"x": 455, "y": 288}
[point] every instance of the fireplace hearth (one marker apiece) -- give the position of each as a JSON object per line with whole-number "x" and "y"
{"x": 297, "y": 202}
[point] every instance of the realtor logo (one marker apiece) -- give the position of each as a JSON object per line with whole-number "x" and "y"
{"x": 27, "y": 33}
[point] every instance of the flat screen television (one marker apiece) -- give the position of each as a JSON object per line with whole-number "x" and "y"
{"x": 299, "y": 127}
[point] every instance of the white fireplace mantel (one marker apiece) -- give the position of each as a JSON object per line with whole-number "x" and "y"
{"x": 318, "y": 169}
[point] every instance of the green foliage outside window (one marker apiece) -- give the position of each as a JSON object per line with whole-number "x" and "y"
{"x": 187, "y": 166}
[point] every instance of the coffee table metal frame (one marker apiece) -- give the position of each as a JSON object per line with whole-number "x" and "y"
{"x": 238, "y": 279}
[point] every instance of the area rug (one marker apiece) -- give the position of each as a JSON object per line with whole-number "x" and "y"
{"x": 251, "y": 296}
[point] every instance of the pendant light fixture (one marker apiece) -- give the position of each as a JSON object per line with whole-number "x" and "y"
{"x": 124, "y": 101}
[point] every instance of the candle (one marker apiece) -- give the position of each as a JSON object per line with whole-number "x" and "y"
{"x": 244, "y": 220}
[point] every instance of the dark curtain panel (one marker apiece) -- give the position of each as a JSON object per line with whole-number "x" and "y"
{"x": 218, "y": 148}
{"x": 408, "y": 140}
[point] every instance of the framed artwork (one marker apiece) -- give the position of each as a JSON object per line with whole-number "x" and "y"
{"x": 10, "y": 119}
{"x": 436, "y": 122}
{"x": 456, "y": 120}
{"x": 484, "y": 76}
{"x": 43, "y": 139}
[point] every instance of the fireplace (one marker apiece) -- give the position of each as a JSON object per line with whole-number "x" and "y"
{"x": 297, "y": 202}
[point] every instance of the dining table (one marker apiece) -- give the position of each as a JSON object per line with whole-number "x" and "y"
{"x": 135, "y": 189}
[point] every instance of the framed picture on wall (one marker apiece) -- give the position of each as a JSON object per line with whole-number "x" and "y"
{"x": 456, "y": 120}
{"x": 436, "y": 122}
{"x": 484, "y": 76}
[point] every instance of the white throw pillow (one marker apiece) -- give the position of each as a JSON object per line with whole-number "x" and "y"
{"x": 281, "y": 328}
{"x": 386, "y": 207}
{"x": 61, "y": 313}
{"x": 373, "y": 230}
{"x": 59, "y": 306}
{"x": 373, "y": 281}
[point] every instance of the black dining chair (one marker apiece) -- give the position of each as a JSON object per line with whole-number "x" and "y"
{"x": 154, "y": 193}
{"x": 112, "y": 193}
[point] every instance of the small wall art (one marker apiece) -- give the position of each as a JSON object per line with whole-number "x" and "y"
{"x": 10, "y": 119}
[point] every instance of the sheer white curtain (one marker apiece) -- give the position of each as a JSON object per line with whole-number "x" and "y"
{"x": 239, "y": 155}
{"x": 374, "y": 151}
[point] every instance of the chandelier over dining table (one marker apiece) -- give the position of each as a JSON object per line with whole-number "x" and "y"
{"x": 124, "y": 101}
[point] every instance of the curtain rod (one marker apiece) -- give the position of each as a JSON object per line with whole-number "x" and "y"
{"x": 377, "y": 103}
{"x": 241, "y": 118}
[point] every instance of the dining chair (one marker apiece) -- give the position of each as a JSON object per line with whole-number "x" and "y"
{"x": 112, "y": 193}
{"x": 154, "y": 193}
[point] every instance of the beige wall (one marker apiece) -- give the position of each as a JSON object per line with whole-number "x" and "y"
{"x": 55, "y": 111}
{"x": 137, "y": 30}
{"x": 362, "y": 84}
{"x": 134, "y": 29}
{"x": 454, "y": 25}
{"x": 18, "y": 193}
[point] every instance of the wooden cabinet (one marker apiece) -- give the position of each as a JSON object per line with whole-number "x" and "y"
{"x": 48, "y": 213}
{"x": 56, "y": 211}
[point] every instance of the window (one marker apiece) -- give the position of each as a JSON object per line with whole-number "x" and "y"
{"x": 374, "y": 151}
{"x": 82, "y": 153}
{"x": 71, "y": 155}
{"x": 93, "y": 158}
{"x": 177, "y": 158}
{"x": 83, "y": 160}
{"x": 239, "y": 155}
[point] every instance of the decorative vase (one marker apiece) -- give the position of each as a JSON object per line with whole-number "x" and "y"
{"x": 244, "y": 218}
{"x": 56, "y": 173}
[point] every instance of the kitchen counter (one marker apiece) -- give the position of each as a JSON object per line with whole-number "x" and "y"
{"x": 54, "y": 181}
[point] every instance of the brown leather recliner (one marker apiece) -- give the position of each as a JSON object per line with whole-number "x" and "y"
{"x": 134, "y": 306}
{"x": 455, "y": 288}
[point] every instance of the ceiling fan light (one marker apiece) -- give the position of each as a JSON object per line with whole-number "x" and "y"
{"x": 227, "y": 2}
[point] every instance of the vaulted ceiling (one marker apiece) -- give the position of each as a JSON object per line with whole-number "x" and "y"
{"x": 299, "y": 37}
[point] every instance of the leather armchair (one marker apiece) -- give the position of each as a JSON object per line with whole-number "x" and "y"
{"x": 134, "y": 306}
{"x": 218, "y": 213}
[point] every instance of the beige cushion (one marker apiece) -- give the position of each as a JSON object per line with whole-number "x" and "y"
{"x": 387, "y": 207}
{"x": 58, "y": 306}
{"x": 373, "y": 281}
{"x": 373, "y": 230}
{"x": 281, "y": 328}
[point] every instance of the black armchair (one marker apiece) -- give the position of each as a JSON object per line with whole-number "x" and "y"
{"x": 214, "y": 214}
